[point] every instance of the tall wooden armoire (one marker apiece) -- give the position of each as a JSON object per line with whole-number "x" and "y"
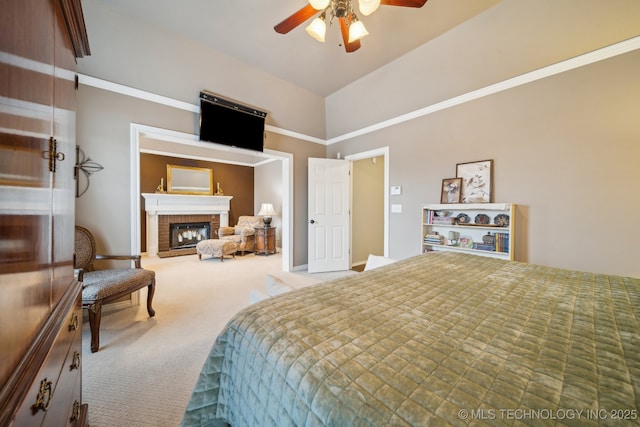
{"x": 40, "y": 311}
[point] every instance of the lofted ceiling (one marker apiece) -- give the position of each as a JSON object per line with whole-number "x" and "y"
{"x": 244, "y": 29}
{"x": 532, "y": 34}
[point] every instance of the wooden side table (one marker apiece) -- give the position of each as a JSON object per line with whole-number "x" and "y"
{"x": 265, "y": 240}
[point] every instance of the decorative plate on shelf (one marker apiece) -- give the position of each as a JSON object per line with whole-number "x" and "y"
{"x": 482, "y": 219}
{"x": 463, "y": 219}
{"x": 501, "y": 220}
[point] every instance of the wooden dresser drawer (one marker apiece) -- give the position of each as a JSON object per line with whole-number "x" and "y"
{"x": 62, "y": 411}
{"x": 50, "y": 398}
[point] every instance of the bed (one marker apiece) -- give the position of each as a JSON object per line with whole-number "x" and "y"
{"x": 437, "y": 339}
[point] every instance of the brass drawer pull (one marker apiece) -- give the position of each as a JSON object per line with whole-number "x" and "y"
{"x": 44, "y": 396}
{"x": 74, "y": 323}
{"x": 75, "y": 412}
{"x": 75, "y": 362}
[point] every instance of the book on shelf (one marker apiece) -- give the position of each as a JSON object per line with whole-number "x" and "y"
{"x": 484, "y": 247}
{"x": 442, "y": 220}
{"x": 502, "y": 242}
{"x": 434, "y": 239}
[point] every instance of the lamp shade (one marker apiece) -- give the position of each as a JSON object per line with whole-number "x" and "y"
{"x": 266, "y": 210}
{"x": 357, "y": 31}
{"x": 319, "y": 4}
{"x": 367, "y": 7}
{"x": 317, "y": 29}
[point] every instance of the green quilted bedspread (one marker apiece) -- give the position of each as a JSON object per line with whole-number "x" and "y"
{"x": 437, "y": 339}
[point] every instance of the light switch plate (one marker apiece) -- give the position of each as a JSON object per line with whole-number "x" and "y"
{"x": 396, "y": 208}
{"x": 396, "y": 190}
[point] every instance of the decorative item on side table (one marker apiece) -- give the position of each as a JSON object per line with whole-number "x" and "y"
{"x": 476, "y": 181}
{"x": 267, "y": 212}
{"x": 450, "y": 192}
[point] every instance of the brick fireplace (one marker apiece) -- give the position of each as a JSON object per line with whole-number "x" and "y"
{"x": 165, "y": 222}
{"x": 165, "y": 209}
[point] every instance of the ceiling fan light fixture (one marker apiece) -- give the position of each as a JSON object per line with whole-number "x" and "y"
{"x": 351, "y": 29}
{"x": 319, "y": 4}
{"x": 367, "y": 7}
{"x": 356, "y": 30}
{"x": 318, "y": 28}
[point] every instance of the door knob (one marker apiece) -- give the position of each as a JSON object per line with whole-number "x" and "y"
{"x": 312, "y": 221}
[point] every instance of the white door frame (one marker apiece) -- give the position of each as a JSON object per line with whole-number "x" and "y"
{"x": 138, "y": 130}
{"x": 383, "y": 151}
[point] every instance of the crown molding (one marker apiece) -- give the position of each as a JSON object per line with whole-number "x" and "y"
{"x": 607, "y": 52}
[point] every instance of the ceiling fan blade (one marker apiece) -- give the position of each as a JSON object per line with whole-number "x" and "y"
{"x": 296, "y": 19}
{"x": 405, "y": 3}
{"x": 349, "y": 47}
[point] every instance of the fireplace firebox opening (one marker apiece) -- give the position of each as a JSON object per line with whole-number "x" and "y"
{"x": 187, "y": 235}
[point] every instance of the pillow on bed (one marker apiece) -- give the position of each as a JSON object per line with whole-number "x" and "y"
{"x": 375, "y": 261}
{"x": 256, "y": 296}
{"x": 276, "y": 286}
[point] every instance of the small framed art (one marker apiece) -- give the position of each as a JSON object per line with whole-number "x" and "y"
{"x": 451, "y": 190}
{"x": 476, "y": 181}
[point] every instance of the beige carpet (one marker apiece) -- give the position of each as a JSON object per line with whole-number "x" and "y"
{"x": 146, "y": 368}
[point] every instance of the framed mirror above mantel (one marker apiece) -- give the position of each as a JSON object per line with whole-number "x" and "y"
{"x": 189, "y": 180}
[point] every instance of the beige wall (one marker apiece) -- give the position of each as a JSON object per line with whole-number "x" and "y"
{"x": 103, "y": 133}
{"x": 268, "y": 189}
{"x": 130, "y": 52}
{"x": 565, "y": 149}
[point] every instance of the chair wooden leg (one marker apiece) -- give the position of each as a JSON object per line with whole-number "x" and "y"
{"x": 151, "y": 289}
{"x": 95, "y": 314}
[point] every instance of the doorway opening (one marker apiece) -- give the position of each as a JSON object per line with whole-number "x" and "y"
{"x": 369, "y": 205}
{"x": 147, "y": 139}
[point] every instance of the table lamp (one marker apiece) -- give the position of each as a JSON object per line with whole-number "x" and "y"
{"x": 266, "y": 212}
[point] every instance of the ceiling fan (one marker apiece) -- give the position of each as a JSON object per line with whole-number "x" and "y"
{"x": 351, "y": 27}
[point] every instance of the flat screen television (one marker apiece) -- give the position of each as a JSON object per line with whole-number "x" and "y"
{"x": 229, "y": 123}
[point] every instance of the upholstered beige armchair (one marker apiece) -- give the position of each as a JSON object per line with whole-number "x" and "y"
{"x": 243, "y": 234}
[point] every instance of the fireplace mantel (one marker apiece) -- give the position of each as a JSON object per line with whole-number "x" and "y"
{"x": 181, "y": 204}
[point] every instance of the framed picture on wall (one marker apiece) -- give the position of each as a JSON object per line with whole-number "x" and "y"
{"x": 476, "y": 181}
{"x": 450, "y": 192}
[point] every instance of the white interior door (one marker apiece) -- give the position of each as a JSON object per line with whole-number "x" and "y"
{"x": 328, "y": 210}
